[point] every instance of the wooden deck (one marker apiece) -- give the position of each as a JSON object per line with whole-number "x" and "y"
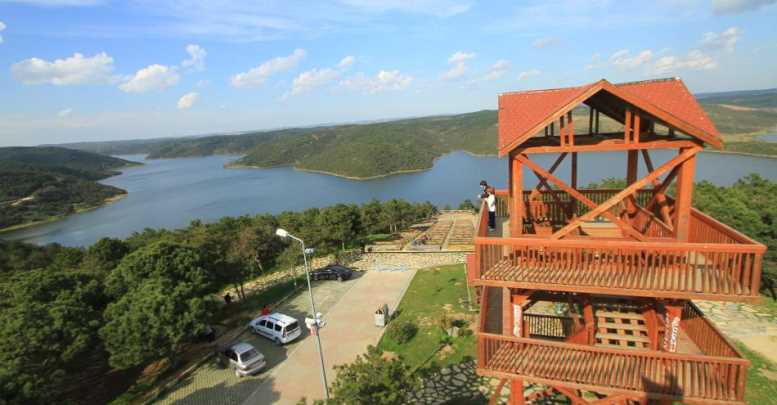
{"x": 657, "y": 375}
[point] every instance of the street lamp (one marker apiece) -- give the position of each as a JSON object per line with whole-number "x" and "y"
{"x": 282, "y": 233}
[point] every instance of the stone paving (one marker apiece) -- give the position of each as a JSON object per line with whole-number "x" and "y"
{"x": 746, "y": 323}
{"x": 211, "y": 384}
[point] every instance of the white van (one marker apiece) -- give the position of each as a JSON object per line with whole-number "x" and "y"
{"x": 277, "y": 327}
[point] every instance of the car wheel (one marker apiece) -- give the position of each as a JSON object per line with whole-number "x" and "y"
{"x": 340, "y": 279}
{"x": 277, "y": 341}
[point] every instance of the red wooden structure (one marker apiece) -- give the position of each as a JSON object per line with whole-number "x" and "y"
{"x": 619, "y": 267}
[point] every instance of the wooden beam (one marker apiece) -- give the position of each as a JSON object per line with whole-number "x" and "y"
{"x": 632, "y": 163}
{"x": 507, "y": 312}
{"x": 580, "y": 197}
{"x": 553, "y": 168}
{"x": 497, "y": 392}
{"x": 570, "y": 130}
{"x": 658, "y": 193}
{"x": 562, "y": 130}
{"x": 602, "y": 209}
{"x": 608, "y": 146}
{"x": 684, "y": 197}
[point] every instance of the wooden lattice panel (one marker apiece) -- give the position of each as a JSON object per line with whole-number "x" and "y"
{"x": 620, "y": 326}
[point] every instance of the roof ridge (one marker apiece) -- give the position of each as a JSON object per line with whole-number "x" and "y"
{"x": 547, "y": 90}
{"x": 663, "y": 79}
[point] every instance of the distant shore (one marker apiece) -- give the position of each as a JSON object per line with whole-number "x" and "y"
{"x": 107, "y": 201}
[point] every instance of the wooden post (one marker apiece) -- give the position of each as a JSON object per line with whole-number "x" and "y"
{"x": 597, "y": 122}
{"x": 652, "y": 325}
{"x": 552, "y": 129}
{"x": 588, "y": 318}
{"x": 672, "y": 316}
{"x": 632, "y": 165}
{"x": 517, "y": 209}
{"x": 573, "y": 179}
{"x": 636, "y": 130}
{"x": 570, "y": 129}
{"x": 627, "y": 127}
{"x": 516, "y": 392}
{"x": 684, "y": 197}
{"x": 562, "y": 130}
{"x": 590, "y": 120}
{"x": 518, "y": 328}
{"x": 507, "y": 312}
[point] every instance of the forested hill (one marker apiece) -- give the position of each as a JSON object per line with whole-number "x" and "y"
{"x": 375, "y": 149}
{"x": 43, "y": 183}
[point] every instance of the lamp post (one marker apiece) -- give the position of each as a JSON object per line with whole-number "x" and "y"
{"x": 285, "y": 234}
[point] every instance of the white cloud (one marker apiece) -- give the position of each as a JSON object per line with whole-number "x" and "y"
{"x": 258, "y": 75}
{"x": 437, "y": 8}
{"x": 56, "y": 3}
{"x": 458, "y": 60}
{"x": 2, "y": 27}
{"x": 311, "y": 79}
{"x": 196, "y": 57}
{"x": 65, "y": 113}
{"x": 624, "y": 60}
{"x": 153, "y": 77}
{"x": 497, "y": 70}
{"x": 187, "y": 100}
{"x": 738, "y": 6}
{"x": 726, "y": 40}
{"x": 346, "y": 62}
{"x": 545, "y": 42}
{"x": 596, "y": 62}
{"x": 74, "y": 70}
{"x": 696, "y": 60}
{"x": 528, "y": 73}
{"x": 460, "y": 57}
{"x": 385, "y": 80}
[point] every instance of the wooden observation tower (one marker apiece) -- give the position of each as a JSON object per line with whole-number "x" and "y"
{"x": 588, "y": 292}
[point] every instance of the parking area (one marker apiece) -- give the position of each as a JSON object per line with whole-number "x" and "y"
{"x": 211, "y": 384}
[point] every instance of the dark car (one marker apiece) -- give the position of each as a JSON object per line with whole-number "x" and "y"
{"x": 332, "y": 272}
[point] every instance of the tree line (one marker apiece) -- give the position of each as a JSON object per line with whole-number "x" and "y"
{"x": 125, "y": 303}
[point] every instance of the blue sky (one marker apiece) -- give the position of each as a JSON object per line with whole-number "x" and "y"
{"x": 91, "y": 70}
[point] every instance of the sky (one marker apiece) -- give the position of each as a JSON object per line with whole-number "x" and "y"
{"x": 101, "y": 70}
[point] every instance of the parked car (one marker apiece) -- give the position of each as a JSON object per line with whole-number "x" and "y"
{"x": 244, "y": 358}
{"x": 332, "y": 272}
{"x": 277, "y": 327}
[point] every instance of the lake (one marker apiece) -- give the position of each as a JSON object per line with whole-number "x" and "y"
{"x": 171, "y": 193}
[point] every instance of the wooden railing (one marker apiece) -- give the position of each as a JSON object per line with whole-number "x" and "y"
{"x": 660, "y": 375}
{"x": 551, "y": 326}
{"x": 698, "y": 270}
{"x": 704, "y": 334}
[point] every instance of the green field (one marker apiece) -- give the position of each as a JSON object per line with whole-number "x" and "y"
{"x": 435, "y": 294}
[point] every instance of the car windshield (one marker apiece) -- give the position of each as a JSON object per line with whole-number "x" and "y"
{"x": 246, "y": 356}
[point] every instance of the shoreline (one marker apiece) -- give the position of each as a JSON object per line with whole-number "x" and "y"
{"x": 733, "y": 152}
{"x": 27, "y": 225}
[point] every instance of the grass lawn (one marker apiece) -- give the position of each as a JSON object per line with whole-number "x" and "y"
{"x": 434, "y": 293}
{"x": 761, "y": 378}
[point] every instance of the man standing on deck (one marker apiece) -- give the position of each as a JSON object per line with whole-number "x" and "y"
{"x": 491, "y": 202}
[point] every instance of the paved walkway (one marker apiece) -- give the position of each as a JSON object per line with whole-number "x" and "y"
{"x": 349, "y": 330}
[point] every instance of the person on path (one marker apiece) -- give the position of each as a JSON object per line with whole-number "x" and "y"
{"x": 265, "y": 310}
{"x": 491, "y": 202}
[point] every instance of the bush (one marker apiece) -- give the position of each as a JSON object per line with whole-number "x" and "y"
{"x": 402, "y": 332}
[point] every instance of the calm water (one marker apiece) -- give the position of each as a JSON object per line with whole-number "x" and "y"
{"x": 172, "y": 193}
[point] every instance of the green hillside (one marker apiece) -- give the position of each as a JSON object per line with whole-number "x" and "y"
{"x": 39, "y": 184}
{"x": 376, "y": 149}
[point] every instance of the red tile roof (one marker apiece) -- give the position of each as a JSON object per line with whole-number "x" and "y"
{"x": 523, "y": 114}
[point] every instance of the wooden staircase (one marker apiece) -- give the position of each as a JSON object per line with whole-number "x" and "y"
{"x": 622, "y": 326}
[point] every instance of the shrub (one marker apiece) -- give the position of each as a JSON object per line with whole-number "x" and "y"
{"x": 402, "y": 332}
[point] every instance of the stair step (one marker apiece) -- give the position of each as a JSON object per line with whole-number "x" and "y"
{"x": 630, "y": 338}
{"x": 621, "y": 315}
{"x": 624, "y": 326}
{"x": 611, "y": 346}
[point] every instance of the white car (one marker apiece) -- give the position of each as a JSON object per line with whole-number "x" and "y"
{"x": 244, "y": 358}
{"x": 277, "y": 327}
